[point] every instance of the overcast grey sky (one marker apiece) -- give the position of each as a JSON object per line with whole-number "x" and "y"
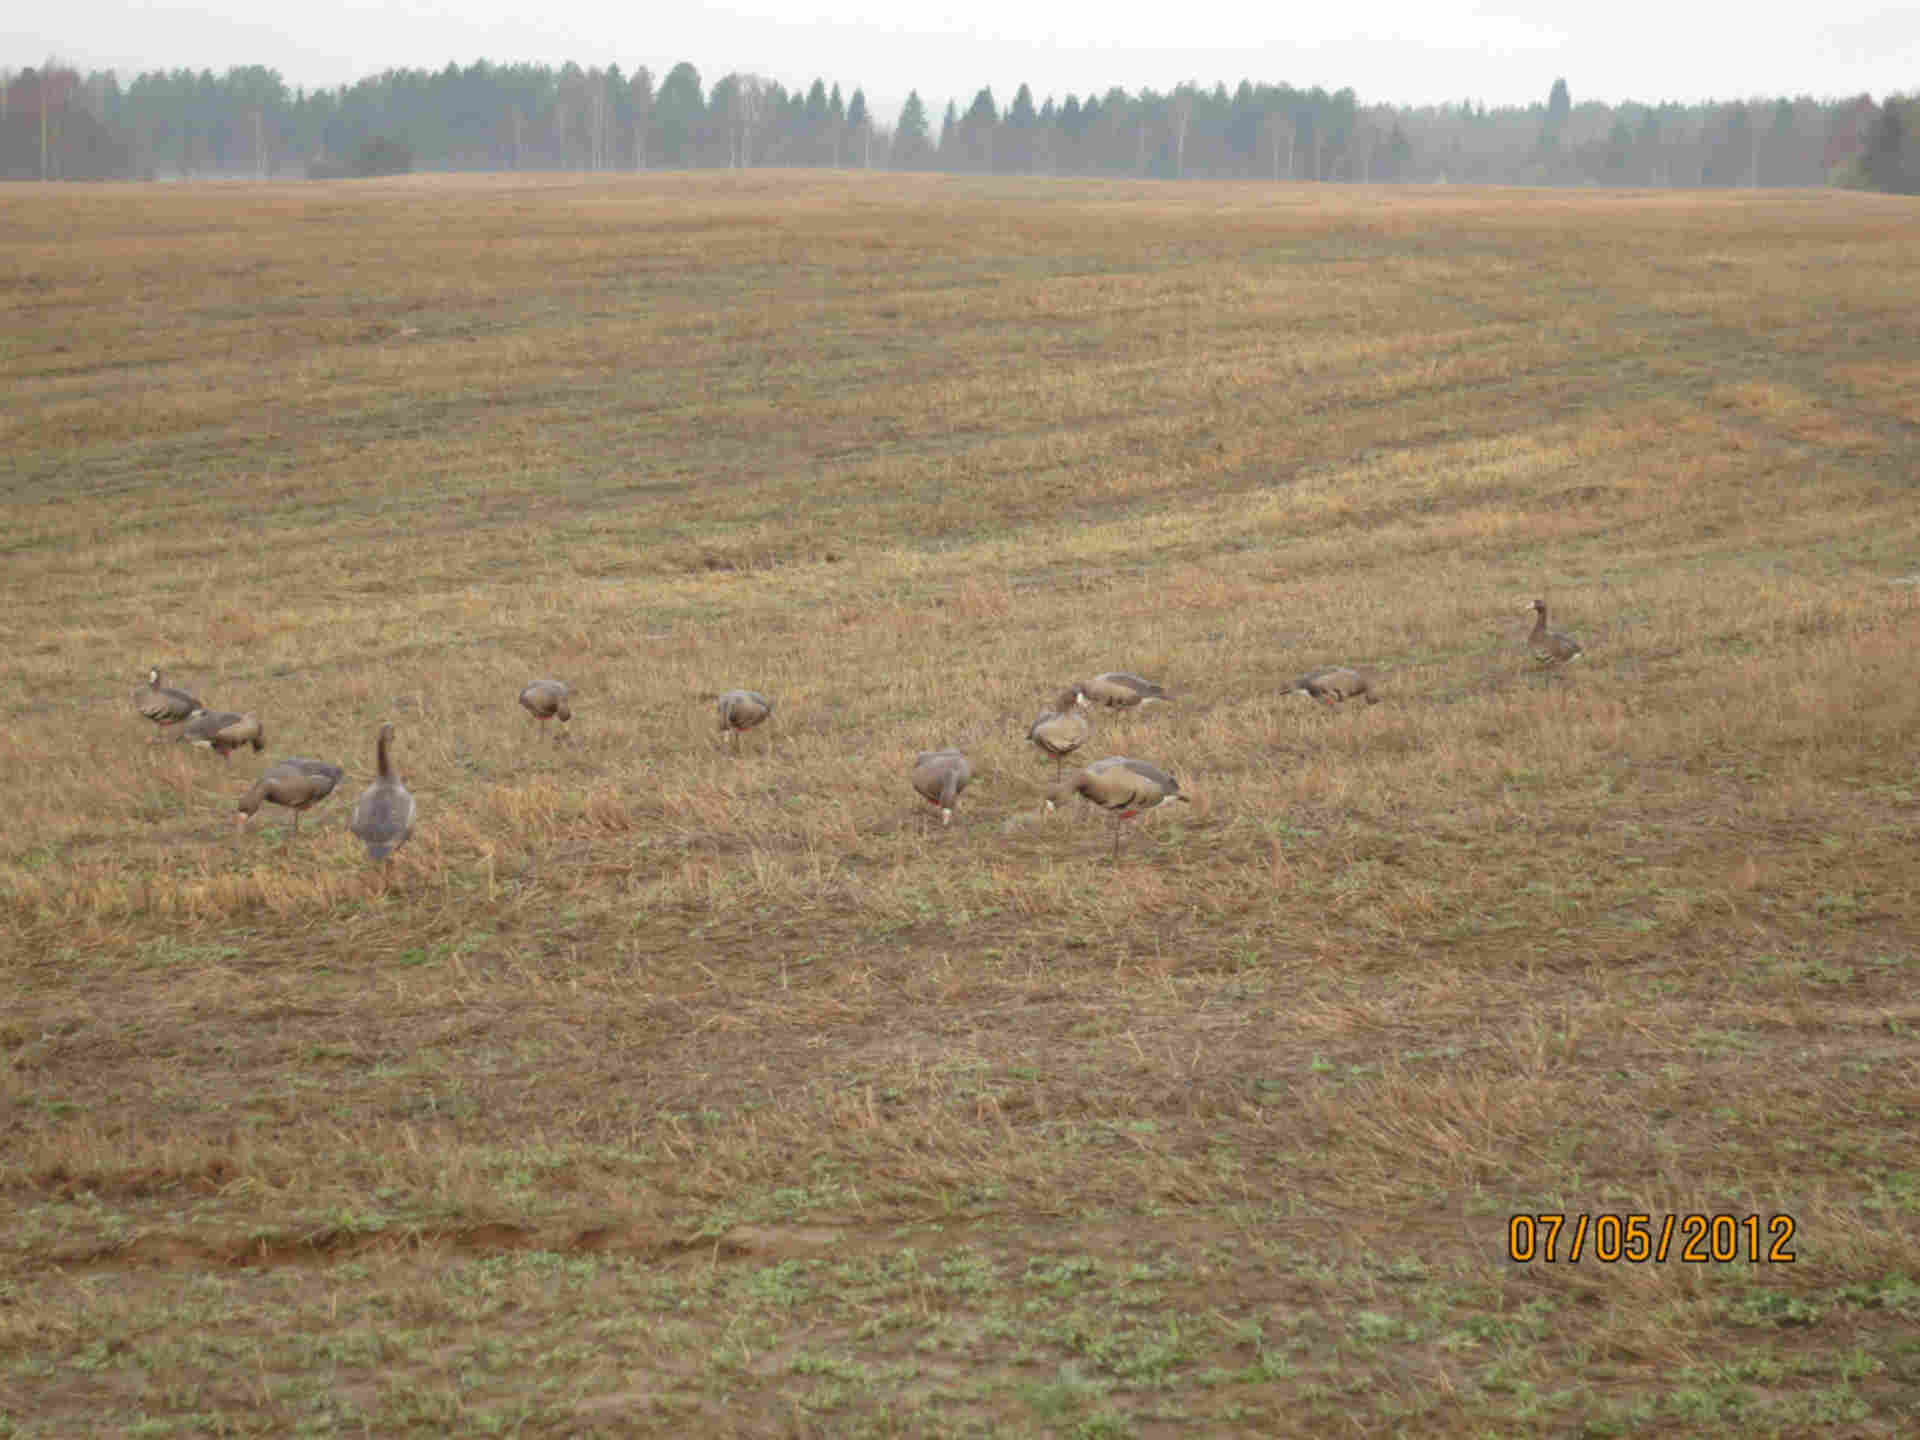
{"x": 1397, "y": 51}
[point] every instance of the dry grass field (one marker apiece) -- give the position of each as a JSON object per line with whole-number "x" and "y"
{"x": 659, "y": 1088}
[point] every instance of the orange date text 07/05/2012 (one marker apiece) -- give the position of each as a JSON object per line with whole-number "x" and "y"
{"x": 1610, "y": 1237}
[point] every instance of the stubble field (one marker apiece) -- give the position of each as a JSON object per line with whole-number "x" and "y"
{"x": 662, "y": 1088}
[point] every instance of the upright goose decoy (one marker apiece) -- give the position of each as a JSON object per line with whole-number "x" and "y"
{"x": 1120, "y": 786}
{"x": 162, "y": 704}
{"x": 298, "y": 784}
{"x": 545, "y": 700}
{"x": 223, "y": 732}
{"x": 1063, "y": 729}
{"x": 1120, "y": 691}
{"x": 940, "y": 776}
{"x": 1550, "y": 647}
{"x": 1334, "y": 684}
{"x": 383, "y": 815}
{"x": 742, "y": 710}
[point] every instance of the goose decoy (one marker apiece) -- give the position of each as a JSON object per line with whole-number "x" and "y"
{"x": 1333, "y": 684}
{"x": 1120, "y": 786}
{"x": 383, "y": 815}
{"x": 742, "y": 710}
{"x": 223, "y": 732}
{"x": 1550, "y": 647}
{"x": 940, "y": 776}
{"x": 1120, "y": 691}
{"x": 1063, "y": 729}
{"x": 545, "y": 700}
{"x": 298, "y": 784}
{"x": 162, "y": 704}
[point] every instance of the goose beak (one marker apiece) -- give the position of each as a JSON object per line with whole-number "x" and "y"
{"x": 240, "y": 819}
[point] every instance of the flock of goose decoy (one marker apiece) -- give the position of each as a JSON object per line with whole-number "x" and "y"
{"x": 383, "y": 816}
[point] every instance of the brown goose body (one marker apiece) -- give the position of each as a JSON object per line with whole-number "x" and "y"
{"x": 548, "y": 700}
{"x": 1335, "y": 684}
{"x": 1550, "y": 647}
{"x": 161, "y": 703}
{"x": 223, "y": 732}
{"x": 940, "y": 776}
{"x": 297, "y": 783}
{"x": 1120, "y": 691}
{"x": 1121, "y": 787}
{"x": 1063, "y": 729}
{"x": 383, "y": 815}
{"x": 742, "y": 710}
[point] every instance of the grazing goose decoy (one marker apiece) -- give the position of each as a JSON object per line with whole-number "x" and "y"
{"x": 298, "y": 784}
{"x": 742, "y": 710}
{"x": 1120, "y": 786}
{"x": 1120, "y": 691}
{"x": 940, "y": 776}
{"x": 162, "y": 704}
{"x": 223, "y": 732}
{"x": 1332, "y": 684}
{"x": 1550, "y": 647}
{"x": 383, "y": 815}
{"x": 546, "y": 699}
{"x": 1063, "y": 729}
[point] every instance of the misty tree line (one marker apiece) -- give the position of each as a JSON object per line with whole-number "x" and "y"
{"x": 536, "y": 117}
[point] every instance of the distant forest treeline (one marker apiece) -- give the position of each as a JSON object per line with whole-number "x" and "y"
{"x": 57, "y": 123}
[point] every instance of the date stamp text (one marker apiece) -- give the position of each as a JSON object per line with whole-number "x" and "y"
{"x": 1565, "y": 1236}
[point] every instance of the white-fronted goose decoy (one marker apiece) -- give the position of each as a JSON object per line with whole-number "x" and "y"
{"x": 1120, "y": 786}
{"x": 223, "y": 732}
{"x": 742, "y": 710}
{"x": 1063, "y": 729}
{"x": 940, "y": 776}
{"x": 1550, "y": 647}
{"x": 1120, "y": 691}
{"x": 383, "y": 815}
{"x": 546, "y": 700}
{"x": 298, "y": 784}
{"x": 1335, "y": 684}
{"x": 162, "y": 704}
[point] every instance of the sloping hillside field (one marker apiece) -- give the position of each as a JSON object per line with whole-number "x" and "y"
{"x": 668, "y": 1082}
